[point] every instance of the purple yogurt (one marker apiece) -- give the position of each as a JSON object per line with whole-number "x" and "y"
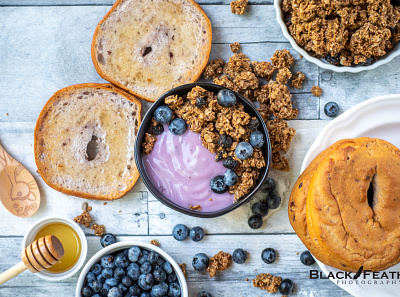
{"x": 182, "y": 168}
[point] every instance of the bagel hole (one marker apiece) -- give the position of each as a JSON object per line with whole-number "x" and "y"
{"x": 371, "y": 193}
{"x": 147, "y": 50}
{"x": 92, "y": 148}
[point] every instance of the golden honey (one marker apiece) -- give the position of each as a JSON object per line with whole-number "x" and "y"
{"x": 70, "y": 241}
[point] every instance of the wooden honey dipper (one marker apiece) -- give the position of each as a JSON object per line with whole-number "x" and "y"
{"x": 39, "y": 255}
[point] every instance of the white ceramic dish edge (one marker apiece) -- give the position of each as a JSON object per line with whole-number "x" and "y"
{"x": 32, "y": 231}
{"x": 381, "y": 61}
{"x": 126, "y": 244}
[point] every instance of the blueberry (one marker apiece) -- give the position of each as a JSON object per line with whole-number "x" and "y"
{"x": 257, "y": 139}
{"x": 96, "y": 269}
{"x": 168, "y": 268}
{"x": 145, "y": 268}
{"x": 172, "y": 278}
{"x": 101, "y": 278}
{"x": 180, "y": 232}
{"x": 157, "y": 130}
{"x": 226, "y": 98}
{"x": 159, "y": 290}
{"x": 144, "y": 258}
{"x": 122, "y": 287}
{"x": 107, "y": 261}
{"x": 112, "y": 282}
{"x": 219, "y": 156}
{"x": 106, "y": 288}
{"x": 200, "y": 102}
{"x": 239, "y": 256}
{"x": 96, "y": 295}
{"x": 134, "y": 253}
{"x": 200, "y": 262}
{"x": 244, "y": 150}
{"x": 196, "y": 233}
{"x": 204, "y": 294}
{"x": 163, "y": 114}
{"x": 119, "y": 272}
{"x": 253, "y": 124}
{"x": 268, "y": 255}
{"x": 90, "y": 277}
{"x": 217, "y": 185}
{"x": 331, "y": 109}
{"x": 126, "y": 281}
{"x": 286, "y": 287}
{"x": 177, "y": 126}
{"x": 160, "y": 261}
{"x": 306, "y": 258}
{"x": 115, "y": 292}
{"x": 230, "y": 163}
{"x": 145, "y": 294}
{"x": 121, "y": 260}
{"x": 87, "y": 291}
{"x": 159, "y": 275}
{"x": 107, "y": 272}
{"x": 142, "y": 282}
{"x": 153, "y": 257}
{"x": 269, "y": 185}
{"x": 225, "y": 141}
{"x": 260, "y": 208}
{"x": 230, "y": 178}
{"x": 133, "y": 271}
{"x": 332, "y": 60}
{"x": 273, "y": 201}
{"x": 135, "y": 290}
{"x": 126, "y": 252}
{"x": 371, "y": 60}
{"x": 255, "y": 222}
{"x": 174, "y": 290}
{"x": 107, "y": 239}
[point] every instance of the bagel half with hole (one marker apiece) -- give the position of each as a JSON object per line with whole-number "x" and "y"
{"x": 148, "y": 47}
{"x": 84, "y": 141}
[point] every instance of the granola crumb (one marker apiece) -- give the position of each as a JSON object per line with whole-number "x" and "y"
{"x": 298, "y": 79}
{"x": 235, "y": 47}
{"x": 195, "y": 207}
{"x": 98, "y": 229}
{"x": 246, "y": 279}
{"x": 316, "y": 91}
{"x": 266, "y": 281}
{"x": 297, "y": 253}
{"x": 155, "y": 242}
{"x": 183, "y": 268}
{"x": 7, "y": 113}
{"x": 148, "y": 144}
{"x": 105, "y": 203}
{"x": 85, "y": 218}
{"x": 239, "y": 6}
{"x": 219, "y": 262}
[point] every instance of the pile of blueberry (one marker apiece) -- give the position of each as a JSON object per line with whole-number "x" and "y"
{"x": 243, "y": 150}
{"x": 260, "y": 209}
{"x": 133, "y": 272}
{"x": 163, "y": 115}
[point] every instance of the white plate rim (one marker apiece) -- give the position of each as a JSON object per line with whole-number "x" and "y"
{"x": 323, "y": 141}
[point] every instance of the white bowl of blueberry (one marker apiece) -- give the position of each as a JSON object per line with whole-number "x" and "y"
{"x": 131, "y": 268}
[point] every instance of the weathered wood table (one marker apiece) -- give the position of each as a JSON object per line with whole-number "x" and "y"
{"x": 45, "y": 46}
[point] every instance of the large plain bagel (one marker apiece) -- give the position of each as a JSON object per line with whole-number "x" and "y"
{"x": 70, "y": 120}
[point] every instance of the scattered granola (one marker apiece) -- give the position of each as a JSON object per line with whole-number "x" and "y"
{"x": 214, "y": 69}
{"x": 344, "y": 33}
{"x": 283, "y": 75}
{"x": 239, "y": 6}
{"x": 85, "y": 218}
{"x": 298, "y": 79}
{"x": 155, "y": 242}
{"x": 219, "y": 262}
{"x": 148, "y": 143}
{"x": 263, "y": 69}
{"x": 183, "y": 268}
{"x": 99, "y": 230}
{"x": 266, "y": 281}
{"x": 316, "y": 91}
{"x": 195, "y": 207}
{"x": 235, "y": 47}
{"x": 282, "y": 58}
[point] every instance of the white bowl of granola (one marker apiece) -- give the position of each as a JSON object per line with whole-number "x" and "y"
{"x": 342, "y": 63}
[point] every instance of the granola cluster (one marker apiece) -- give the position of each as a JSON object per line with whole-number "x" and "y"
{"x": 244, "y": 76}
{"x": 345, "y": 33}
{"x": 219, "y": 262}
{"x": 85, "y": 219}
{"x": 266, "y": 281}
{"x": 239, "y": 6}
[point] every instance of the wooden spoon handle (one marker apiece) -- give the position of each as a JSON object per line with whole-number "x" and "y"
{"x": 12, "y": 272}
{"x": 5, "y": 159}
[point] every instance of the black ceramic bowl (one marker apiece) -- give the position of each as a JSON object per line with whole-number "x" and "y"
{"x": 180, "y": 91}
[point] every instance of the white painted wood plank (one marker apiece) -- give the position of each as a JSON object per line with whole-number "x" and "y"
{"x": 228, "y": 283}
{"x": 162, "y": 219}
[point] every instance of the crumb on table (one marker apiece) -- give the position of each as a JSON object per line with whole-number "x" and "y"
{"x": 219, "y": 262}
{"x": 85, "y": 218}
{"x": 239, "y": 6}
{"x": 99, "y": 230}
{"x": 266, "y": 281}
{"x": 235, "y": 47}
{"x": 316, "y": 91}
{"x": 155, "y": 242}
{"x": 183, "y": 268}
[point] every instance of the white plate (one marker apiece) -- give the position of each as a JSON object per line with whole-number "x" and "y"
{"x": 380, "y": 118}
{"x": 394, "y": 52}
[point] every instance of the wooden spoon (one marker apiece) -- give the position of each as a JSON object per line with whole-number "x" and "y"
{"x": 39, "y": 255}
{"x": 19, "y": 191}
